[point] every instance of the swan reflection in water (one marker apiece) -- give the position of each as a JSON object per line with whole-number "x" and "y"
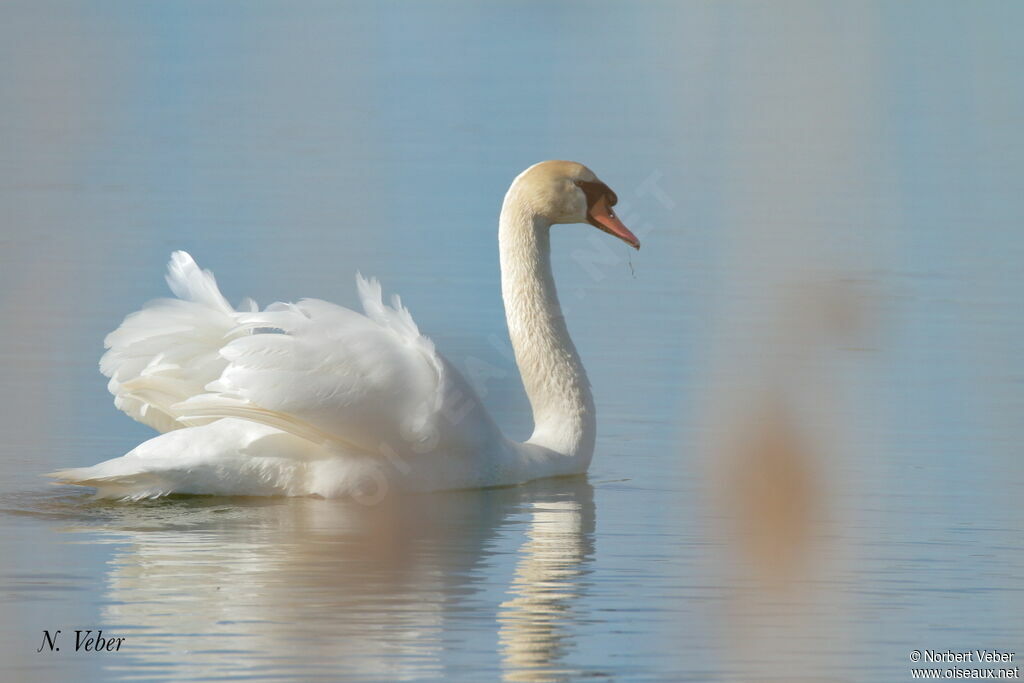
{"x": 208, "y": 587}
{"x": 534, "y": 635}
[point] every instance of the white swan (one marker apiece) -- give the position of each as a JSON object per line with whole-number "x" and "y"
{"x": 316, "y": 399}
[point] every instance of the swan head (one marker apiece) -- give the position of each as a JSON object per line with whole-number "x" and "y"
{"x": 568, "y": 192}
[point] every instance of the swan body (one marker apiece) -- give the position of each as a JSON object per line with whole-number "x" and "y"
{"x": 312, "y": 398}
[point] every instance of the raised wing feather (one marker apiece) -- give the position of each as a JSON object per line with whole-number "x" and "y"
{"x": 327, "y": 373}
{"x": 170, "y": 350}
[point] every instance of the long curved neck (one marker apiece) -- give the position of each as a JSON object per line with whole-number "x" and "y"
{"x": 563, "y": 408}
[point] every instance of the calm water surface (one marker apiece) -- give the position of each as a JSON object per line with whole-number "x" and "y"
{"x": 830, "y": 202}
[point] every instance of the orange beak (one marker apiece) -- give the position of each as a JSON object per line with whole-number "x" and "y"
{"x": 602, "y": 217}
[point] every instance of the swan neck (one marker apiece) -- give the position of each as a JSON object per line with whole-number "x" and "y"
{"x": 552, "y": 373}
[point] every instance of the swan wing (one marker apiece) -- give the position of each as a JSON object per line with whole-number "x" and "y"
{"x": 329, "y": 374}
{"x": 170, "y": 350}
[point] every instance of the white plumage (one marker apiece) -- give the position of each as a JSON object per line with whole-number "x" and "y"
{"x": 312, "y": 398}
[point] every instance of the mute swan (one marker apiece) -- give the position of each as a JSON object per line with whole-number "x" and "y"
{"x": 315, "y": 399}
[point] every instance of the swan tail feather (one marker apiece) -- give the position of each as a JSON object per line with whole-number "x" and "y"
{"x": 227, "y": 457}
{"x": 128, "y": 487}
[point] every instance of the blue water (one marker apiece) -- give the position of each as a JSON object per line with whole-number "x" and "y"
{"x": 830, "y": 201}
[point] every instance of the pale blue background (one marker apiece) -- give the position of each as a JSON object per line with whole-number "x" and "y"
{"x": 288, "y": 144}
